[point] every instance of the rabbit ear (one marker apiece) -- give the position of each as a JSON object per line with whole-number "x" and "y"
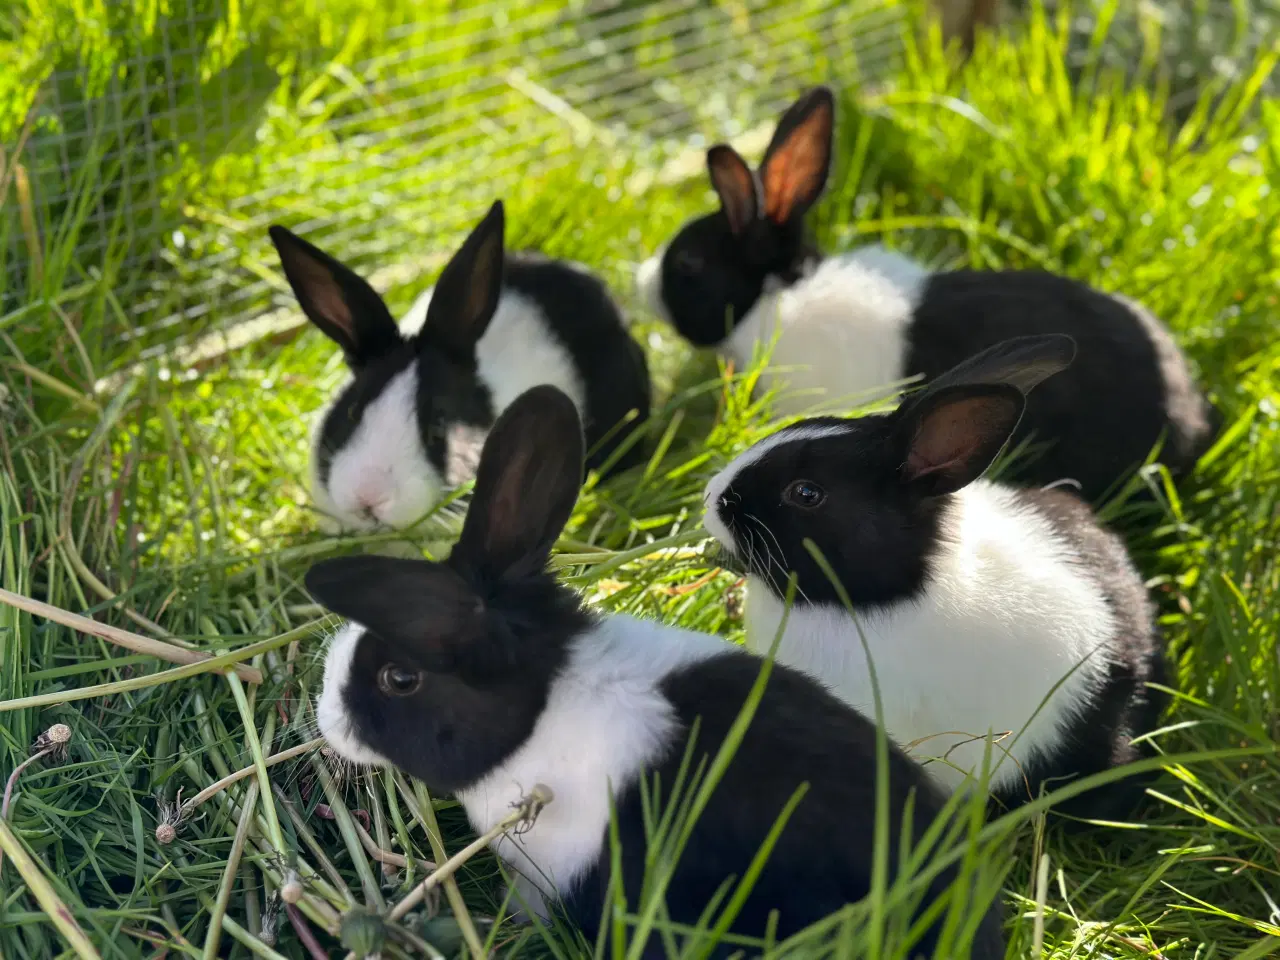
{"x": 735, "y": 184}
{"x": 526, "y": 485}
{"x": 421, "y": 607}
{"x": 341, "y": 304}
{"x": 467, "y": 293}
{"x": 1020, "y": 362}
{"x": 950, "y": 438}
{"x": 798, "y": 159}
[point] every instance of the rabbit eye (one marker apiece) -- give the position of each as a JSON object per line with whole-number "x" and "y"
{"x": 686, "y": 261}
{"x": 397, "y": 681}
{"x": 805, "y": 494}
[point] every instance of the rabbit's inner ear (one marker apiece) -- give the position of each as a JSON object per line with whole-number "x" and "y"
{"x": 526, "y": 485}
{"x": 735, "y": 185}
{"x": 798, "y": 159}
{"x": 466, "y": 295}
{"x": 954, "y": 435}
{"x": 345, "y": 308}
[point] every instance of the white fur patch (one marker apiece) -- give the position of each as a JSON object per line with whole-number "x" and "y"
{"x": 412, "y": 321}
{"x": 754, "y": 454}
{"x": 1007, "y": 614}
{"x": 649, "y": 286}
{"x": 520, "y": 351}
{"x": 841, "y": 331}
{"x": 331, "y": 715}
{"x": 381, "y": 476}
{"x": 605, "y": 720}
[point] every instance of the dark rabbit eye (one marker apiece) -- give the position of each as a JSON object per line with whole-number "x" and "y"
{"x": 804, "y": 493}
{"x": 397, "y": 681}
{"x": 686, "y": 261}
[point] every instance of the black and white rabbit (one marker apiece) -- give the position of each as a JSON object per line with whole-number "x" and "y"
{"x": 975, "y": 598}
{"x": 406, "y": 428}
{"x": 482, "y": 676}
{"x": 850, "y": 327}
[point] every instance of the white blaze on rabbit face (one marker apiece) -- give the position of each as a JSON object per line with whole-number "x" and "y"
{"x": 649, "y": 286}
{"x": 332, "y": 716}
{"x": 841, "y": 331}
{"x": 714, "y": 518}
{"x": 380, "y": 475}
{"x": 1006, "y": 614}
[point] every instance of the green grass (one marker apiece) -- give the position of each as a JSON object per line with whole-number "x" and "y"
{"x": 180, "y": 499}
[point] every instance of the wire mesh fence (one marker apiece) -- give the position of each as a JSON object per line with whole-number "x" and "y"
{"x": 1186, "y": 44}
{"x": 173, "y": 163}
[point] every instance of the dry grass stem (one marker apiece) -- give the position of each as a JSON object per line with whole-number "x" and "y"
{"x": 122, "y": 638}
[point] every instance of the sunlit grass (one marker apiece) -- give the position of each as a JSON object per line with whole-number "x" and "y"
{"x": 181, "y": 500}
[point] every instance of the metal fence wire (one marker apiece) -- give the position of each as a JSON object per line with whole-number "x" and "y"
{"x": 402, "y": 147}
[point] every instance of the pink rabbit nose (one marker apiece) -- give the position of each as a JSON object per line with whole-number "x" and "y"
{"x": 372, "y": 499}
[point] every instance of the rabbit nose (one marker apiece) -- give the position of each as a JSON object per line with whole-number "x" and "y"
{"x": 372, "y": 500}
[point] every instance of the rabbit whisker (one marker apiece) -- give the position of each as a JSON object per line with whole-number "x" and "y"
{"x": 775, "y": 560}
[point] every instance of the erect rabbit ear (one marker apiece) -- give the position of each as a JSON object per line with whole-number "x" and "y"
{"x": 1020, "y": 362}
{"x": 526, "y": 485}
{"x": 466, "y": 295}
{"x": 798, "y": 159}
{"x": 343, "y": 306}
{"x": 952, "y": 436}
{"x": 735, "y": 184}
{"x": 421, "y": 607}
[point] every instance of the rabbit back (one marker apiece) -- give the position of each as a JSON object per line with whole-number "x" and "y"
{"x": 598, "y": 356}
{"x": 1099, "y": 734}
{"x": 800, "y": 734}
{"x": 1128, "y": 386}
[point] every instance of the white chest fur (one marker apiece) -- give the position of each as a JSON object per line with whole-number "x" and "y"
{"x": 838, "y": 335}
{"x": 1006, "y": 617}
{"x": 605, "y": 721}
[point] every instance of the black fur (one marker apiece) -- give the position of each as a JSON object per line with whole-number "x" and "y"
{"x": 716, "y": 266}
{"x": 800, "y": 734}
{"x": 488, "y": 631}
{"x": 714, "y": 271}
{"x": 1099, "y": 736}
{"x": 481, "y": 693}
{"x": 1128, "y": 386}
{"x": 710, "y": 278}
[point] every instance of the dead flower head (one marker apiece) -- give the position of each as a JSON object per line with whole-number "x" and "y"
{"x": 271, "y": 919}
{"x": 54, "y": 741}
{"x": 172, "y": 814}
